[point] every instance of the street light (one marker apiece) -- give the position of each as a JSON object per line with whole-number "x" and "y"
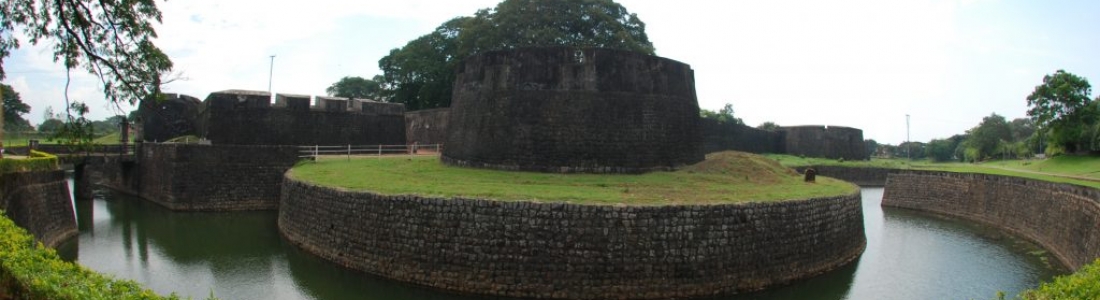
{"x": 270, "y": 73}
{"x": 908, "y": 144}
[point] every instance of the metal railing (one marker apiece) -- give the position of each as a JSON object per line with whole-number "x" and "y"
{"x": 349, "y": 151}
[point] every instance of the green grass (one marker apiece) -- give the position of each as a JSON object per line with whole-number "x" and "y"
{"x": 1075, "y": 165}
{"x": 725, "y": 177}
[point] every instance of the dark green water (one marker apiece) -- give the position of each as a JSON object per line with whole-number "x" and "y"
{"x": 242, "y": 256}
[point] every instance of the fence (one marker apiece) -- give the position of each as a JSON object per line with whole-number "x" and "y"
{"x": 313, "y": 152}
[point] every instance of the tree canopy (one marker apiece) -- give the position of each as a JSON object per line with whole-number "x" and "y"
{"x": 14, "y": 109}
{"x": 724, "y": 115}
{"x": 1062, "y": 105}
{"x": 421, "y": 73}
{"x": 357, "y": 87}
{"x": 109, "y": 39}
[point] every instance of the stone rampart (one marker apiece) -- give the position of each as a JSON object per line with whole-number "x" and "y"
{"x": 427, "y": 126}
{"x": 203, "y": 177}
{"x": 571, "y": 251}
{"x": 40, "y": 203}
{"x": 562, "y": 109}
{"x": 729, "y": 136}
{"x": 862, "y": 176}
{"x": 825, "y": 141}
{"x": 175, "y": 116}
{"x": 247, "y": 118}
{"x": 1063, "y": 218}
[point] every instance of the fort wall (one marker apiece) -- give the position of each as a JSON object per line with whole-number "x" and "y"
{"x": 40, "y": 203}
{"x": 562, "y": 109}
{"x": 1063, "y": 218}
{"x": 571, "y": 251}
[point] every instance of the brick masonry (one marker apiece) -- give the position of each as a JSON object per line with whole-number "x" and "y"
{"x": 857, "y": 175}
{"x": 561, "y": 109}
{"x": 40, "y": 203}
{"x": 729, "y": 136}
{"x": 560, "y": 251}
{"x": 203, "y": 177}
{"x": 1063, "y": 218}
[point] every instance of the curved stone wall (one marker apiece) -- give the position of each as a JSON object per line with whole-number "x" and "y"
{"x": 1063, "y": 218}
{"x": 826, "y": 141}
{"x": 40, "y": 203}
{"x": 557, "y": 250}
{"x": 562, "y": 109}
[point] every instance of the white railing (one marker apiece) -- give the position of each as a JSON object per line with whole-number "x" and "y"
{"x": 348, "y": 151}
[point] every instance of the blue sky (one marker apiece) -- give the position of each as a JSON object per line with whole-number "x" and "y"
{"x": 857, "y": 63}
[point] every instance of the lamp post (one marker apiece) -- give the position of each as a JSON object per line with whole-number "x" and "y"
{"x": 908, "y": 144}
{"x": 270, "y": 74}
{"x": 1, "y": 123}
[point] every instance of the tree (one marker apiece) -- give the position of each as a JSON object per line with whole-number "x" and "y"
{"x": 941, "y": 150}
{"x": 14, "y": 109}
{"x": 421, "y": 73}
{"x": 725, "y": 115}
{"x": 987, "y": 138}
{"x": 109, "y": 39}
{"x": 769, "y": 126}
{"x": 871, "y": 146}
{"x": 357, "y": 87}
{"x": 1060, "y": 104}
{"x": 50, "y": 126}
{"x": 1022, "y": 129}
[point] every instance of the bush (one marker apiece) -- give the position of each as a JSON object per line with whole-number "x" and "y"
{"x": 38, "y": 161}
{"x": 29, "y": 270}
{"x": 1085, "y": 284}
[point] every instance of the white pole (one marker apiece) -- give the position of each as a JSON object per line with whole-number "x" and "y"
{"x": 908, "y": 144}
{"x": 270, "y": 74}
{"x": 349, "y": 152}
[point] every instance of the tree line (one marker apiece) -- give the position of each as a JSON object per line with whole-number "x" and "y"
{"x": 1062, "y": 119}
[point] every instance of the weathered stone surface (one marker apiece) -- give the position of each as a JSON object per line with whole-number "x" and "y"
{"x": 827, "y": 142}
{"x": 40, "y": 203}
{"x": 203, "y": 177}
{"x": 247, "y": 118}
{"x": 729, "y": 136}
{"x": 561, "y": 109}
{"x": 1063, "y": 218}
{"x": 427, "y": 126}
{"x": 557, "y": 250}
{"x": 178, "y": 115}
{"x": 857, "y": 175}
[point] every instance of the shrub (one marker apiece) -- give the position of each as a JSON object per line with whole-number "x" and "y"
{"x": 29, "y": 270}
{"x": 38, "y": 161}
{"x": 1085, "y": 284}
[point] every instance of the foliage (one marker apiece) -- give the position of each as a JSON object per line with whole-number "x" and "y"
{"x": 941, "y": 150}
{"x": 725, "y": 115}
{"x": 38, "y": 161}
{"x": 76, "y": 133}
{"x": 769, "y": 125}
{"x": 988, "y": 138}
{"x": 724, "y": 177}
{"x": 32, "y": 271}
{"x": 112, "y": 40}
{"x": 421, "y": 73}
{"x": 358, "y": 88}
{"x": 1062, "y": 104}
{"x": 871, "y": 146}
{"x": 1084, "y": 284}
{"x": 50, "y": 126}
{"x": 14, "y": 109}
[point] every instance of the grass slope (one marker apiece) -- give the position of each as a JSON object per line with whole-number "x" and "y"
{"x": 725, "y": 177}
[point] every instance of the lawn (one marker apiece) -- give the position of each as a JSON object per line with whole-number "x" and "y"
{"x": 725, "y": 177}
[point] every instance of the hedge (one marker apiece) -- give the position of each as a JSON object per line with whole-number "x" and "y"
{"x": 37, "y": 161}
{"x": 29, "y": 270}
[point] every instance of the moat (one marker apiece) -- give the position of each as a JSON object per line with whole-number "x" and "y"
{"x": 241, "y": 255}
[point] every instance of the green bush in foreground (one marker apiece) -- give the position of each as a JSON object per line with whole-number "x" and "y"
{"x": 29, "y": 270}
{"x": 1084, "y": 284}
{"x": 37, "y": 161}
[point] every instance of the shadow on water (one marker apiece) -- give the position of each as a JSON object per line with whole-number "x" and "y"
{"x": 240, "y": 255}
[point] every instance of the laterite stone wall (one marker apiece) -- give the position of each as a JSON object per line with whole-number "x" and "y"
{"x": 40, "y": 203}
{"x": 562, "y": 109}
{"x": 203, "y": 177}
{"x": 570, "y": 251}
{"x": 1063, "y": 218}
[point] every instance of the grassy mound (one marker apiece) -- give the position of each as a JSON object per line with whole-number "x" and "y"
{"x": 725, "y": 177}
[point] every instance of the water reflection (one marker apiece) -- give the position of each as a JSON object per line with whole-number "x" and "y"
{"x": 241, "y": 256}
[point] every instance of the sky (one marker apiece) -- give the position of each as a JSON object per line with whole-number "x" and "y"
{"x": 857, "y": 63}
